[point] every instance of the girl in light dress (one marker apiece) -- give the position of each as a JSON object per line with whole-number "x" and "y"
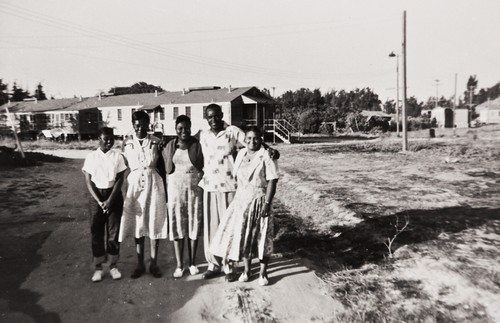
{"x": 247, "y": 224}
{"x": 183, "y": 165}
{"x": 144, "y": 209}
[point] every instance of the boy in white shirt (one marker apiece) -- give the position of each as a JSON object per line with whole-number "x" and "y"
{"x": 103, "y": 170}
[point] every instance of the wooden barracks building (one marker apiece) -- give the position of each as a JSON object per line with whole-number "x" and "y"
{"x": 83, "y": 117}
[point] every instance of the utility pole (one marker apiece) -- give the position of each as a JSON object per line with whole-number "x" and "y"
{"x": 397, "y": 91}
{"x": 405, "y": 135}
{"x": 437, "y": 93}
{"x": 455, "y": 96}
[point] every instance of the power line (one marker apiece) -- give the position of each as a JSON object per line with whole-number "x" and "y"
{"x": 137, "y": 45}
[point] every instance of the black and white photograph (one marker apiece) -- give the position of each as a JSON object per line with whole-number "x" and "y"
{"x": 249, "y": 161}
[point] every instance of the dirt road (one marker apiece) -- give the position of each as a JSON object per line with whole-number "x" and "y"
{"x": 45, "y": 267}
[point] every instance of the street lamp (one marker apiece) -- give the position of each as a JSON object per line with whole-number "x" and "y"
{"x": 397, "y": 90}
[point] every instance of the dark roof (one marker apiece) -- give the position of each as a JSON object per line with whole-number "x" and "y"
{"x": 147, "y": 100}
{"x": 39, "y": 106}
{"x": 489, "y": 105}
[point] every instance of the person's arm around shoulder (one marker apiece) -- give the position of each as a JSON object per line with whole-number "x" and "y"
{"x": 273, "y": 153}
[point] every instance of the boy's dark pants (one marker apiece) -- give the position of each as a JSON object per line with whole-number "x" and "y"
{"x": 105, "y": 226}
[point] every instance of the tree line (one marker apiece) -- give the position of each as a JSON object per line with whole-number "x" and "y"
{"x": 309, "y": 110}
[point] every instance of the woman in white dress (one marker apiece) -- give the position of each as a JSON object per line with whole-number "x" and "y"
{"x": 144, "y": 209}
{"x": 247, "y": 224}
{"x": 183, "y": 166}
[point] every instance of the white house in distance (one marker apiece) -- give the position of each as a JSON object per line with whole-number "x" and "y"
{"x": 489, "y": 111}
{"x": 448, "y": 117}
{"x": 84, "y": 116}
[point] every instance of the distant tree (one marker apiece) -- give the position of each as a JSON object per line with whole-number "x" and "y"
{"x": 488, "y": 94}
{"x": 389, "y": 106}
{"x": 471, "y": 88}
{"x": 442, "y": 102}
{"x": 39, "y": 94}
{"x": 139, "y": 87}
{"x": 18, "y": 94}
{"x": 4, "y": 97}
{"x": 413, "y": 107}
{"x": 266, "y": 92}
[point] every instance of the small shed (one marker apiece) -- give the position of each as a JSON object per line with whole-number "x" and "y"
{"x": 377, "y": 119}
{"x": 461, "y": 118}
{"x": 443, "y": 116}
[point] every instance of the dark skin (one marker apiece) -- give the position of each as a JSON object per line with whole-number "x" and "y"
{"x": 141, "y": 127}
{"x": 254, "y": 142}
{"x": 106, "y": 142}
{"x": 216, "y": 123}
{"x": 183, "y": 130}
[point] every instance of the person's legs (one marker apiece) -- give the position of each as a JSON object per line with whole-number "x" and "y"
{"x": 263, "y": 266}
{"x": 179, "y": 252}
{"x": 210, "y": 224}
{"x": 153, "y": 268}
{"x": 97, "y": 231}
{"x": 113, "y": 230}
{"x": 141, "y": 268}
{"x": 246, "y": 271}
{"x": 192, "y": 247}
{"x": 263, "y": 279}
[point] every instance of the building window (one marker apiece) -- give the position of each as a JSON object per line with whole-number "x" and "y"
{"x": 162, "y": 114}
{"x": 176, "y": 112}
{"x": 119, "y": 114}
{"x": 188, "y": 111}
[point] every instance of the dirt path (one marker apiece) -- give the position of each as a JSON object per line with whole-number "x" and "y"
{"x": 45, "y": 267}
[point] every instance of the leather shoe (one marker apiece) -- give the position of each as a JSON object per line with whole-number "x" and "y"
{"x": 231, "y": 277}
{"x": 210, "y": 274}
{"x": 138, "y": 272}
{"x": 155, "y": 271}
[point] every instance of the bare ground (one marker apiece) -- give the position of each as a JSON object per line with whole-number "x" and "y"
{"x": 336, "y": 206}
{"x": 45, "y": 265}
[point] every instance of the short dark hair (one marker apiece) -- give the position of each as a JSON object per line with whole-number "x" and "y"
{"x": 255, "y": 129}
{"x": 140, "y": 115}
{"x": 106, "y": 131}
{"x": 215, "y": 107}
{"x": 182, "y": 118}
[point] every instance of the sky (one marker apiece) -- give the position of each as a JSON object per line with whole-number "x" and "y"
{"x": 83, "y": 47}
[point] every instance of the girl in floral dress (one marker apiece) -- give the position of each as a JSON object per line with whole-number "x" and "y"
{"x": 144, "y": 209}
{"x": 247, "y": 223}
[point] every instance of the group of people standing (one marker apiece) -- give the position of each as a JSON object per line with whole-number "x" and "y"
{"x": 191, "y": 186}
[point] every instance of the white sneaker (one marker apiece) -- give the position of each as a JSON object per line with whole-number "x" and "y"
{"x": 178, "y": 272}
{"x": 263, "y": 281}
{"x": 97, "y": 277}
{"x": 243, "y": 278}
{"x": 193, "y": 270}
{"x": 115, "y": 273}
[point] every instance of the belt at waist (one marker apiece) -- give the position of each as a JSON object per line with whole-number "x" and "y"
{"x": 143, "y": 168}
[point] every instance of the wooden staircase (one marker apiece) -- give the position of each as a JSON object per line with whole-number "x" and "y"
{"x": 282, "y": 130}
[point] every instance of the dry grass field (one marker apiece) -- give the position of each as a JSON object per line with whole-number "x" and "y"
{"x": 343, "y": 205}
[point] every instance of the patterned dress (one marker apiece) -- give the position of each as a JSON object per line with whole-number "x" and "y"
{"x": 144, "y": 209}
{"x": 242, "y": 229}
{"x": 185, "y": 206}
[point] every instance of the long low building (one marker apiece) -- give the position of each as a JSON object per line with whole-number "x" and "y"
{"x": 84, "y": 116}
